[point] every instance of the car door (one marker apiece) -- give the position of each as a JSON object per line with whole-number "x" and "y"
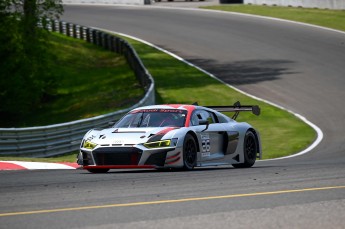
{"x": 210, "y": 137}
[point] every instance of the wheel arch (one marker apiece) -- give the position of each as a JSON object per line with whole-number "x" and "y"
{"x": 257, "y": 138}
{"x": 193, "y": 134}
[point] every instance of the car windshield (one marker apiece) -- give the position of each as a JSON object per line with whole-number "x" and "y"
{"x": 153, "y": 118}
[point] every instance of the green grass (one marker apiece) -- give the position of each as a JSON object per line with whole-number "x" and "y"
{"x": 91, "y": 82}
{"x": 334, "y": 19}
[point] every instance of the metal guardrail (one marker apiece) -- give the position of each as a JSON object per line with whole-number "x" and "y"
{"x": 52, "y": 140}
{"x": 110, "y": 2}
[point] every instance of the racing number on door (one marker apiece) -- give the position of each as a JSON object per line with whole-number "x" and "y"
{"x": 206, "y": 145}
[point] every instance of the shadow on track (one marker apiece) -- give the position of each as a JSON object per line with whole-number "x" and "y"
{"x": 246, "y": 72}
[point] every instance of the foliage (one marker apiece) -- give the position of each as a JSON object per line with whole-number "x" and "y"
{"x": 26, "y": 76}
{"x": 91, "y": 81}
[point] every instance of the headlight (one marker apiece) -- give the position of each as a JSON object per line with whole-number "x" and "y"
{"x": 158, "y": 144}
{"x": 89, "y": 145}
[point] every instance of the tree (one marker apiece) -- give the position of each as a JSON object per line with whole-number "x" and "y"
{"x": 27, "y": 75}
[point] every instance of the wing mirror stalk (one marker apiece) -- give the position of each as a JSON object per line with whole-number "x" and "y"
{"x": 204, "y": 122}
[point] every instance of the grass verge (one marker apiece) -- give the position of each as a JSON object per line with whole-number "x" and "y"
{"x": 91, "y": 82}
{"x": 334, "y": 19}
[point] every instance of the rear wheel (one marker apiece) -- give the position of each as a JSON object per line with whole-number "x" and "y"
{"x": 250, "y": 150}
{"x": 98, "y": 170}
{"x": 189, "y": 152}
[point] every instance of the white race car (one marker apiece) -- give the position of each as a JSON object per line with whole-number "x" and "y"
{"x": 173, "y": 136}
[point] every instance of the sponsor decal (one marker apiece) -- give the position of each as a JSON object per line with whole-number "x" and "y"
{"x": 207, "y": 154}
{"x": 159, "y": 111}
{"x": 90, "y": 138}
{"x": 206, "y": 145}
{"x": 205, "y": 136}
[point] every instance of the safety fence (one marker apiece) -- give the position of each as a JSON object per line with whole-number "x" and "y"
{"x": 52, "y": 140}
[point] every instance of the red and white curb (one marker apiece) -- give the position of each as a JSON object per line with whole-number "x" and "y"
{"x": 25, "y": 165}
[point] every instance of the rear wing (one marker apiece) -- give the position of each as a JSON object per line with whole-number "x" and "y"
{"x": 237, "y": 108}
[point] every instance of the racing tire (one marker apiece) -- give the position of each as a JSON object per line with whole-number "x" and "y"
{"x": 98, "y": 170}
{"x": 250, "y": 150}
{"x": 189, "y": 152}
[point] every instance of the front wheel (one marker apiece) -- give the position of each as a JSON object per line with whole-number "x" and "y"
{"x": 189, "y": 152}
{"x": 250, "y": 150}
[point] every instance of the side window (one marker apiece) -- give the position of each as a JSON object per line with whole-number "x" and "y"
{"x": 221, "y": 119}
{"x": 210, "y": 117}
{"x": 202, "y": 115}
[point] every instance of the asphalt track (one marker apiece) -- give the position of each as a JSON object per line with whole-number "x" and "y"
{"x": 299, "y": 67}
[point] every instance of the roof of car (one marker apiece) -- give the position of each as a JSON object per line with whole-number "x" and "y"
{"x": 169, "y": 106}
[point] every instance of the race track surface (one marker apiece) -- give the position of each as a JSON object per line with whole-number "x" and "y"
{"x": 296, "y": 66}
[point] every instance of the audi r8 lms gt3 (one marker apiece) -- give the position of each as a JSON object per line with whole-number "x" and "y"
{"x": 173, "y": 136}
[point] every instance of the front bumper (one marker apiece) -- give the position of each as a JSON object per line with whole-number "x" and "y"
{"x": 128, "y": 157}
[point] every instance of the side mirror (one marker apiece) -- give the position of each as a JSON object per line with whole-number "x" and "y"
{"x": 204, "y": 122}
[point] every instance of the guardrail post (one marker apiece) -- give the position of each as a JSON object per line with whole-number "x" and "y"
{"x": 88, "y": 35}
{"x": 111, "y": 43}
{"x": 94, "y": 37}
{"x": 61, "y": 27}
{"x": 68, "y": 29}
{"x": 81, "y": 33}
{"x": 106, "y": 41}
{"x": 99, "y": 38}
{"x": 75, "y": 31}
{"x": 120, "y": 42}
{"x": 117, "y": 45}
{"x": 53, "y": 25}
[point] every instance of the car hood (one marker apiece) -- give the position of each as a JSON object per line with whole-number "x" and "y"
{"x": 127, "y": 136}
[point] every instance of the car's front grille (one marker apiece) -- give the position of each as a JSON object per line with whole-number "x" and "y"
{"x": 117, "y": 156}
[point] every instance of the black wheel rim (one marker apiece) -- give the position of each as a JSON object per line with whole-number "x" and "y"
{"x": 190, "y": 153}
{"x": 251, "y": 148}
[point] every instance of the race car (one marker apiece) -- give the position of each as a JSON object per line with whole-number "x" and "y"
{"x": 173, "y": 136}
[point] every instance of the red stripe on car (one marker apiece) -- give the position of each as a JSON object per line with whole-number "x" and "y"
{"x": 120, "y": 167}
{"x": 166, "y": 130}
